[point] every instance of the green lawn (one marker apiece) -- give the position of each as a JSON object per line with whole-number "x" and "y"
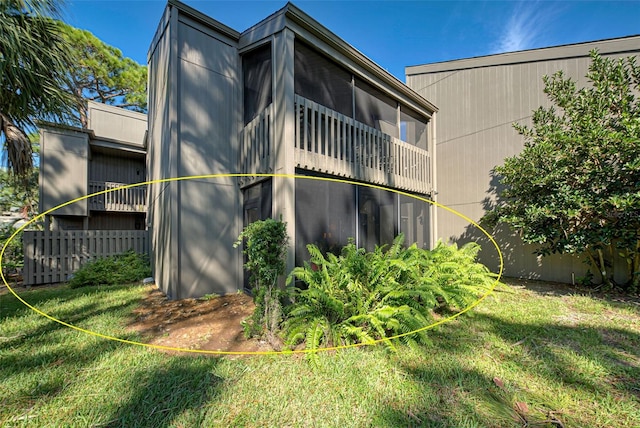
{"x": 568, "y": 356}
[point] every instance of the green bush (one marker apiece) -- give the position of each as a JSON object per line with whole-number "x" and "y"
{"x": 13, "y": 260}
{"x": 123, "y": 268}
{"x": 361, "y": 297}
{"x": 266, "y": 250}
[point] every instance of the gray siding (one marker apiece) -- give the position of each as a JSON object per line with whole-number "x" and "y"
{"x": 479, "y": 100}
{"x": 63, "y": 170}
{"x": 209, "y": 209}
{"x": 161, "y": 111}
{"x": 117, "y": 123}
{"x": 193, "y": 117}
{"x": 117, "y": 169}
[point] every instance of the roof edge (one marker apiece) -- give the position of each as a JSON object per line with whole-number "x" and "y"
{"x": 205, "y": 19}
{"x": 630, "y": 43}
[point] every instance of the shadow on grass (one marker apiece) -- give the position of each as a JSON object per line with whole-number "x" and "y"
{"x": 590, "y": 361}
{"x": 39, "y": 352}
{"x": 11, "y": 307}
{"x": 455, "y": 400}
{"x": 46, "y": 360}
{"x": 556, "y": 346}
{"x": 172, "y": 394}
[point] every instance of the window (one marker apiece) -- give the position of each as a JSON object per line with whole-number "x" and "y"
{"x": 325, "y": 216}
{"x": 413, "y": 128}
{"x": 329, "y": 213}
{"x": 414, "y": 221}
{"x": 375, "y": 109}
{"x": 321, "y": 80}
{"x": 256, "y": 68}
{"x": 377, "y": 217}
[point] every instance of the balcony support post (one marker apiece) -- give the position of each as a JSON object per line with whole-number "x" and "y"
{"x": 284, "y": 130}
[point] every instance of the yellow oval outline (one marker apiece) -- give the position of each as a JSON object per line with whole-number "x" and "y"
{"x": 202, "y": 351}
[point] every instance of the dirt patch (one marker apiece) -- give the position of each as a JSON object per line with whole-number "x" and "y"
{"x": 212, "y": 324}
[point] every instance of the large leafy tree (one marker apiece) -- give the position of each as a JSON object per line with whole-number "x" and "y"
{"x": 34, "y": 62}
{"x": 101, "y": 73}
{"x": 575, "y": 188}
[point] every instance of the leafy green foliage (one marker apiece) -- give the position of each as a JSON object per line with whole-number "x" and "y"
{"x": 101, "y": 73}
{"x": 34, "y": 61}
{"x": 265, "y": 246}
{"x": 575, "y": 188}
{"x": 19, "y": 193}
{"x": 123, "y": 268}
{"x": 13, "y": 259}
{"x": 360, "y": 297}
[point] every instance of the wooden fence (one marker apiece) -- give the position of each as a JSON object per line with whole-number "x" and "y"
{"x": 51, "y": 256}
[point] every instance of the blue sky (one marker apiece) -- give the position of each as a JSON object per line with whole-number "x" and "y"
{"x": 393, "y": 34}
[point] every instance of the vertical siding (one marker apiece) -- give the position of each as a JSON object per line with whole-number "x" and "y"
{"x": 117, "y": 123}
{"x": 104, "y": 167}
{"x": 477, "y": 109}
{"x": 63, "y": 170}
{"x": 207, "y": 140}
{"x": 158, "y": 162}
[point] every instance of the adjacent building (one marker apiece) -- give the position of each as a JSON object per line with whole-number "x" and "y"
{"x": 285, "y": 97}
{"x": 479, "y": 100}
{"x": 75, "y": 162}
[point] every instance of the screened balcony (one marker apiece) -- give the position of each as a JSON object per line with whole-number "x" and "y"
{"x": 344, "y": 126}
{"x": 329, "y": 142}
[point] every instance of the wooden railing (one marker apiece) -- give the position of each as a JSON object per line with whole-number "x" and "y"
{"x": 256, "y": 144}
{"x": 133, "y": 199}
{"x": 51, "y": 256}
{"x": 333, "y": 143}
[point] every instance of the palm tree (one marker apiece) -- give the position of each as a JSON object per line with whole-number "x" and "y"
{"x": 33, "y": 63}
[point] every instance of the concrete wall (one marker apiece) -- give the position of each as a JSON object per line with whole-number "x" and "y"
{"x": 479, "y": 100}
{"x": 193, "y": 130}
{"x": 64, "y": 161}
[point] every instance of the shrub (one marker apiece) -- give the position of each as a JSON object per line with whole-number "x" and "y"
{"x": 266, "y": 250}
{"x": 119, "y": 269}
{"x": 361, "y": 297}
{"x": 13, "y": 260}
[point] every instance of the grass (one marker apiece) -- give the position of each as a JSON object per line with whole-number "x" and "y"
{"x": 522, "y": 355}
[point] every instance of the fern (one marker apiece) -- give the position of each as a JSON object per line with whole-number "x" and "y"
{"x": 360, "y": 297}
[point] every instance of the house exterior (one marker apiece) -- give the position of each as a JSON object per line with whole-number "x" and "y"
{"x": 479, "y": 100}
{"x": 76, "y": 162}
{"x": 285, "y": 97}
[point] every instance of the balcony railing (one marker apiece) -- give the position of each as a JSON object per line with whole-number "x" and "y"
{"x": 133, "y": 199}
{"x": 333, "y": 143}
{"x": 329, "y": 142}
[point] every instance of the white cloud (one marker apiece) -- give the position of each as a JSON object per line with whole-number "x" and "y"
{"x": 523, "y": 29}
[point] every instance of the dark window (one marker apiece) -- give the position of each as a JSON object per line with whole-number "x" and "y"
{"x": 375, "y": 109}
{"x": 329, "y": 213}
{"x": 325, "y": 216}
{"x": 413, "y": 128}
{"x": 256, "y": 68}
{"x": 321, "y": 80}
{"x": 414, "y": 221}
{"x": 377, "y": 217}
{"x": 257, "y": 206}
